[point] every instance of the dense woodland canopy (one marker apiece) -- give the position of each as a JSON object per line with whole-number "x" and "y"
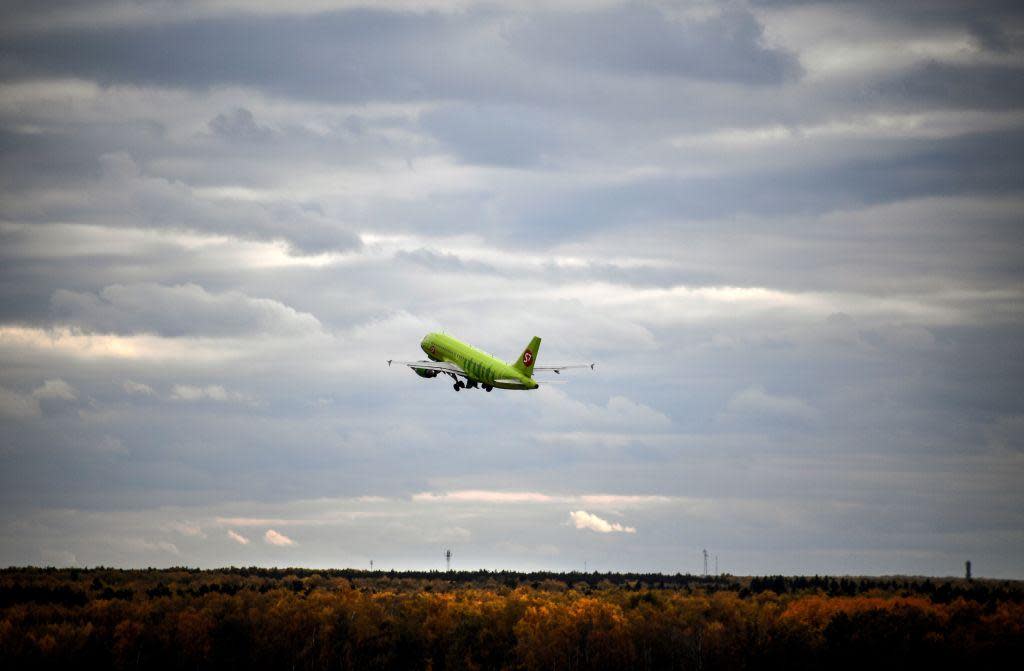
{"x": 247, "y": 618}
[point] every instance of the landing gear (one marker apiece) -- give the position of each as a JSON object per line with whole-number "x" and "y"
{"x": 470, "y": 384}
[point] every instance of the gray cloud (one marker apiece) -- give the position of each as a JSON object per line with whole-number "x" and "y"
{"x": 643, "y": 40}
{"x": 370, "y": 55}
{"x": 14, "y": 406}
{"x": 352, "y": 55}
{"x": 754, "y": 403}
{"x": 900, "y": 170}
{"x": 239, "y": 124}
{"x": 969, "y": 86}
{"x": 444, "y": 262}
{"x": 176, "y": 311}
{"x": 125, "y": 194}
{"x": 496, "y": 135}
{"x": 788, "y": 234}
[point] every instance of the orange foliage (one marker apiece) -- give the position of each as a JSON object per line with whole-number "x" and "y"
{"x": 266, "y": 620}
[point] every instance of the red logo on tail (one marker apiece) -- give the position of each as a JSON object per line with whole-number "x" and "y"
{"x": 527, "y": 358}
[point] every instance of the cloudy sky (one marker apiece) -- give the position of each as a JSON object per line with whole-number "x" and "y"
{"x": 790, "y": 234}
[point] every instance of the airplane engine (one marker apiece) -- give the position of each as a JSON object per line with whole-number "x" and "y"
{"x": 422, "y": 372}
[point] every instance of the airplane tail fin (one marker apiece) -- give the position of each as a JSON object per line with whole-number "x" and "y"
{"x": 529, "y": 357}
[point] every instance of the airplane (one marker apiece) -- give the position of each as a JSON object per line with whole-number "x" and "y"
{"x": 456, "y": 359}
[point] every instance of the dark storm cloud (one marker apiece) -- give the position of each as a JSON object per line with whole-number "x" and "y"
{"x": 642, "y": 40}
{"x": 994, "y": 35}
{"x": 356, "y": 55}
{"x": 944, "y": 85}
{"x": 901, "y": 169}
{"x": 364, "y": 55}
{"x": 928, "y": 12}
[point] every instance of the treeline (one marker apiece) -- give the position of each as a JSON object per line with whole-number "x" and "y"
{"x": 301, "y": 619}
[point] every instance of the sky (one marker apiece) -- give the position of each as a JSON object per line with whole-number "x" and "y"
{"x": 789, "y": 233}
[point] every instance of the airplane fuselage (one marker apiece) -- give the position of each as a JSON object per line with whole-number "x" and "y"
{"x": 479, "y": 366}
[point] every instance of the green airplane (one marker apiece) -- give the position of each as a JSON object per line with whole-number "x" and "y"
{"x": 473, "y": 369}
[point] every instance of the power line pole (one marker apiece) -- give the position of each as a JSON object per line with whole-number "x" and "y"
{"x": 716, "y": 566}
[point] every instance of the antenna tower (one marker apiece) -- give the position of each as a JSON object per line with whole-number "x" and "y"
{"x": 448, "y": 560}
{"x": 705, "y": 563}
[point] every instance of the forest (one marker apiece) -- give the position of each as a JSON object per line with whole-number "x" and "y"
{"x": 250, "y": 618}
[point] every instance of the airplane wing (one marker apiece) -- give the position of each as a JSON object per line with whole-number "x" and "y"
{"x": 437, "y": 366}
{"x": 451, "y": 369}
{"x": 559, "y": 369}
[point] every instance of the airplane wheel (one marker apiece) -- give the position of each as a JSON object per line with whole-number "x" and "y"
{"x": 488, "y": 388}
{"x": 456, "y": 386}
